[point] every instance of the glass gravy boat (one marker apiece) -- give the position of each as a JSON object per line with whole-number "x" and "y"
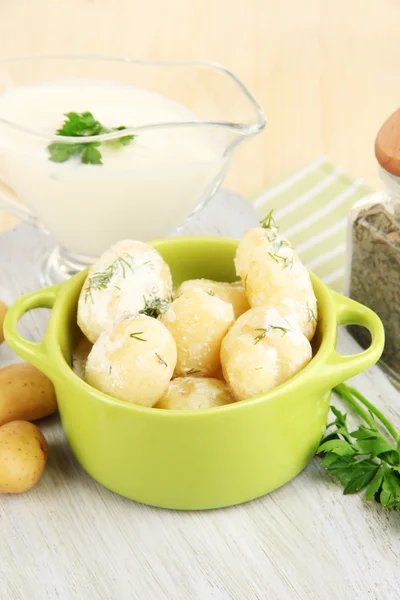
{"x": 146, "y": 187}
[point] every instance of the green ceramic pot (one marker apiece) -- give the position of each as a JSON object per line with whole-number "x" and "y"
{"x": 194, "y": 459}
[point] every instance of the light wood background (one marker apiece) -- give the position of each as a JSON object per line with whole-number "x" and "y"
{"x": 326, "y": 73}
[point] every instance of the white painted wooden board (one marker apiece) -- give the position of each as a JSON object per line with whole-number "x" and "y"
{"x": 72, "y": 539}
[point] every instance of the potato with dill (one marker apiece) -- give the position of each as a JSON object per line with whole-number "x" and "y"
{"x": 198, "y": 322}
{"x": 262, "y": 350}
{"x": 133, "y": 360}
{"x": 131, "y": 277}
{"x": 186, "y": 393}
{"x": 233, "y": 293}
{"x": 274, "y": 276}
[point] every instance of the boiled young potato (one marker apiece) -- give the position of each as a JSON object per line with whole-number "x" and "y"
{"x": 23, "y": 456}
{"x": 133, "y": 360}
{"x": 274, "y": 276}
{"x": 3, "y": 310}
{"x": 198, "y": 322}
{"x": 233, "y": 293}
{"x": 25, "y": 393}
{"x": 129, "y": 277}
{"x": 262, "y": 350}
{"x": 195, "y": 392}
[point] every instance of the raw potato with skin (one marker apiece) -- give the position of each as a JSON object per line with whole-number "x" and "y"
{"x": 195, "y": 392}
{"x": 198, "y": 322}
{"x": 23, "y": 456}
{"x": 133, "y": 360}
{"x": 3, "y": 310}
{"x": 262, "y": 350}
{"x": 25, "y": 393}
{"x": 123, "y": 281}
{"x": 274, "y": 276}
{"x": 233, "y": 293}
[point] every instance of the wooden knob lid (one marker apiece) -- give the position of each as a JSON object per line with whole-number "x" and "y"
{"x": 387, "y": 144}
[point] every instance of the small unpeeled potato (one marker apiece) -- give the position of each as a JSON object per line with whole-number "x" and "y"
{"x": 262, "y": 350}
{"x": 133, "y": 360}
{"x": 129, "y": 277}
{"x": 25, "y": 393}
{"x": 198, "y": 323}
{"x": 3, "y": 310}
{"x": 23, "y": 456}
{"x": 274, "y": 276}
{"x": 195, "y": 392}
{"x": 233, "y": 293}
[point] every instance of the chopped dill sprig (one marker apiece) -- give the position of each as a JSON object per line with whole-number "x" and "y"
{"x": 192, "y": 371}
{"x": 269, "y": 222}
{"x": 161, "y": 360}
{"x": 136, "y": 335}
{"x": 286, "y": 261}
{"x": 210, "y": 292}
{"x": 265, "y": 330}
{"x": 155, "y": 306}
{"x": 101, "y": 280}
{"x": 311, "y": 314}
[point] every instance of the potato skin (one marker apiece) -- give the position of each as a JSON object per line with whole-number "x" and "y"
{"x": 233, "y": 293}
{"x": 3, "y": 310}
{"x": 135, "y": 368}
{"x": 23, "y": 456}
{"x": 262, "y": 350}
{"x": 25, "y": 394}
{"x": 198, "y": 322}
{"x": 195, "y": 392}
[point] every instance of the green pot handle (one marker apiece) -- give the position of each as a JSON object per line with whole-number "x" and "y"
{"x": 339, "y": 368}
{"x": 33, "y": 352}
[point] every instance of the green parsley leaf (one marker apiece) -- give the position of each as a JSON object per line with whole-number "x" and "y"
{"x": 84, "y": 125}
{"x": 374, "y": 485}
{"x": 363, "y": 458}
{"x": 90, "y": 155}
{"x": 390, "y": 494}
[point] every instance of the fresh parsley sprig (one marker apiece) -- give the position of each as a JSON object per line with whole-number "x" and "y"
{"x": 83, "y": 125}
{"x": 363, "y": 459}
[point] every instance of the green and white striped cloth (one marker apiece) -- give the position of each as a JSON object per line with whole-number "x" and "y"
{"x": 311, "y": 208}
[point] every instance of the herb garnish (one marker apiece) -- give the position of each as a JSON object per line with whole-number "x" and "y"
{"x": 83, "y": 125}
{"x": 311, "y": 314}
{"x": 277, "y": 243}
{"x": 269, "y": 222}
{"x": 155, "y": 306}
{"x": 210, "y": 292}
{"x": 192, "y": 371}
{"x": 265, "y": 330}
{"x": 287, "y": 261}
{"x": 363, "y": 459}
{"x": 136, "y": 336}
{"x": 161, "y": 360}
{"x": 100, "y": 281}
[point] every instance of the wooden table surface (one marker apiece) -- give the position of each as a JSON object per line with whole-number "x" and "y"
{"x": 325, "y": 73}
